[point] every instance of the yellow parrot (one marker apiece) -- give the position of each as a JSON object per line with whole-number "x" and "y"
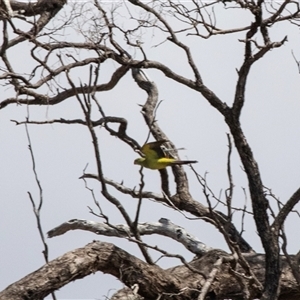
{"x": 155, "y": 158}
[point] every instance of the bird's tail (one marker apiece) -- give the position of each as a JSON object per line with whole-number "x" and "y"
{"x": 184, "y": 162}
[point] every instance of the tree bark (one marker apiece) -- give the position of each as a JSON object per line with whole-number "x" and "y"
{"x": 179, "y": 282}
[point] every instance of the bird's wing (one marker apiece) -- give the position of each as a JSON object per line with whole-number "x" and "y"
{"x": 153, "y": 150}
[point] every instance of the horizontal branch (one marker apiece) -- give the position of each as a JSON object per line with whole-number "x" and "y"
{"x": 162, "y": 227}
{"x": 34, "y": 98}
{"x": 186, "y": 203}
{"x": 81, "y": 262}
{"x": 153, "y": 282}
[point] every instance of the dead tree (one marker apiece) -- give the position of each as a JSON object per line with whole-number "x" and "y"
{"x": 106, "y": 39}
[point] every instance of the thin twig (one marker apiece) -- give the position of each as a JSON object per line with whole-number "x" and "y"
{"x": 37, "y": 210}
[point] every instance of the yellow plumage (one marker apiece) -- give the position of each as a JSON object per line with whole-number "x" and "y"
{"x": 155, "y": 158}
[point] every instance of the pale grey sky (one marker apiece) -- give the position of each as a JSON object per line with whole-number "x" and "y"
{"x": 270, "y": 120}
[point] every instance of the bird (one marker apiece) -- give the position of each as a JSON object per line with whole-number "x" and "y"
{"x": 155, "y": 158}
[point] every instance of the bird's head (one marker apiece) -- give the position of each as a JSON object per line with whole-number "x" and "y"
{"x": 139, "y": 161}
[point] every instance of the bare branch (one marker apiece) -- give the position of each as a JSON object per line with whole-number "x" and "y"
{"x": 162, "y": 227}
